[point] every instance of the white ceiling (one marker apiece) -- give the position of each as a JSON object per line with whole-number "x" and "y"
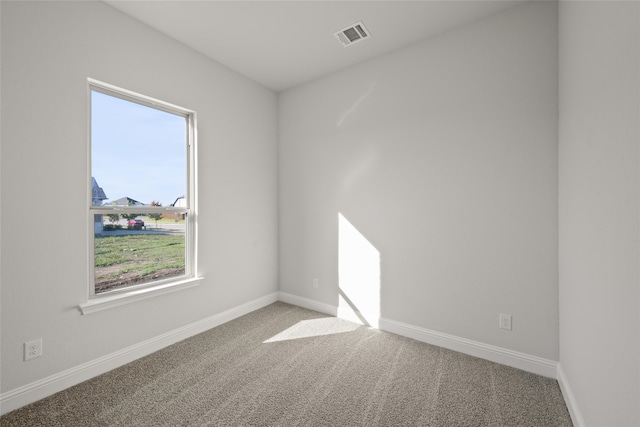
{"x": 281, "y": 44}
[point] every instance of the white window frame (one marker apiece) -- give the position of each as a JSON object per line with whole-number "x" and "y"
{"x": 101, "y": 301}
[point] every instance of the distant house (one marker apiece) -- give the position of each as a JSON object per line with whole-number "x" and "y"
{"x": 180, "y": 202}
{"x": 97, "y": 199}
{"x": 127, "y": 201}
{"x": 98, "y": 196}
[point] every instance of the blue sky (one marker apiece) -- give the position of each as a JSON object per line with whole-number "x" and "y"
{"x": 137, "y": 151}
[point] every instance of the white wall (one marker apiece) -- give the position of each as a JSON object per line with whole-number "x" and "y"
{"x": 600, "y": 209}
{"x": 443, "y": 155}
{"x": 48, "y": 51}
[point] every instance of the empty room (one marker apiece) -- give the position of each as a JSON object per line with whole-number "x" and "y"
{"x": 330, "y": 213}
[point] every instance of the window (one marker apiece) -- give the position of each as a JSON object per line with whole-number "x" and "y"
{"x": 142, "y": 198}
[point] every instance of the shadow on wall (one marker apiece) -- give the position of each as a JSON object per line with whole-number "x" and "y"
{"x": 358, "y": 276}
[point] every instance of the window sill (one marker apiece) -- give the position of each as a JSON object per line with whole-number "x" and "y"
{"x": 105, "y": 302}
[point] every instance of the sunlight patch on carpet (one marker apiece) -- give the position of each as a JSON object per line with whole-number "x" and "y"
{"x": 314, "y": 328}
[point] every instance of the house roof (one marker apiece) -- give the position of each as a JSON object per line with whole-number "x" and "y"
{"x": 97, "y": 191}
{"x": 127, "y": 201}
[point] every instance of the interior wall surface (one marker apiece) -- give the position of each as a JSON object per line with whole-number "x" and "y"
{"x": 443, "y": 157}
{"x": 49, "y": 49}
{"x": 600, "y": 209}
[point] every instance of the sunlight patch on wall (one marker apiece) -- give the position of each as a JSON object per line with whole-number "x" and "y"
{"x": 358, "y": 276}
{"x": 356, "y": 104}
{"x": 314, "y": 328}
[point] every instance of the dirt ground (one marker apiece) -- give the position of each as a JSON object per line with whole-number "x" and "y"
{"x": 132, "y": 278}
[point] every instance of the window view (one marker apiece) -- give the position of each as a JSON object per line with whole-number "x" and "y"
{"x": 141, "y": 198}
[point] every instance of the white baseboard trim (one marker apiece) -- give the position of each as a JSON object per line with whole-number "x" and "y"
{"x": 307, "y": 303}
{"x": 570, "y": 399}
{"x": 534, "y": 364}
{"x": 40, "y": 389}
{"x": 515, "y": 359}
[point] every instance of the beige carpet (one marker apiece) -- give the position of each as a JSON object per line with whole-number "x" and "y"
{"x": 287, "y": 366}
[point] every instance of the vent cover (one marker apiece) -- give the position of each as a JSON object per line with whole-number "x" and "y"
{"x": 352, "y": 34}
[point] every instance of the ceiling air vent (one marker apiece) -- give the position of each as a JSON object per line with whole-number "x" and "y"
{"x": 352, "y": 34}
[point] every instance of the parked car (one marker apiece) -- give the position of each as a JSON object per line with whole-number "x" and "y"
{"x": 136, "y": 224}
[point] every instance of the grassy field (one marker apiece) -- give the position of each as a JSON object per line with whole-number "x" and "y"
{"x": 165, "y": 220}
{"x": 124, "y": 260}
{"x": 150, "y": 222}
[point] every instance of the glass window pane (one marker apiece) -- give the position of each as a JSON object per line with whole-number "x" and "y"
{"x": 139, "y": 158}
{"x": 138, "y": 153}
{"x": 131, "y": 251}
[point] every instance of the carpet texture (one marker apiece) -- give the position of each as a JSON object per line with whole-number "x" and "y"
{"x": 287, "y": 366}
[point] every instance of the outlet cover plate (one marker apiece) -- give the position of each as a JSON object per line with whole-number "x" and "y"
{"x": 505, "y": 321}
{"x": 32, "y": 349}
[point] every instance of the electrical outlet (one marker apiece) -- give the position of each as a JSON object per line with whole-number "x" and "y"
{"x": 33, "y": 349}
{"x": 315, "y": 283}
{"x": 505, "y": 321}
